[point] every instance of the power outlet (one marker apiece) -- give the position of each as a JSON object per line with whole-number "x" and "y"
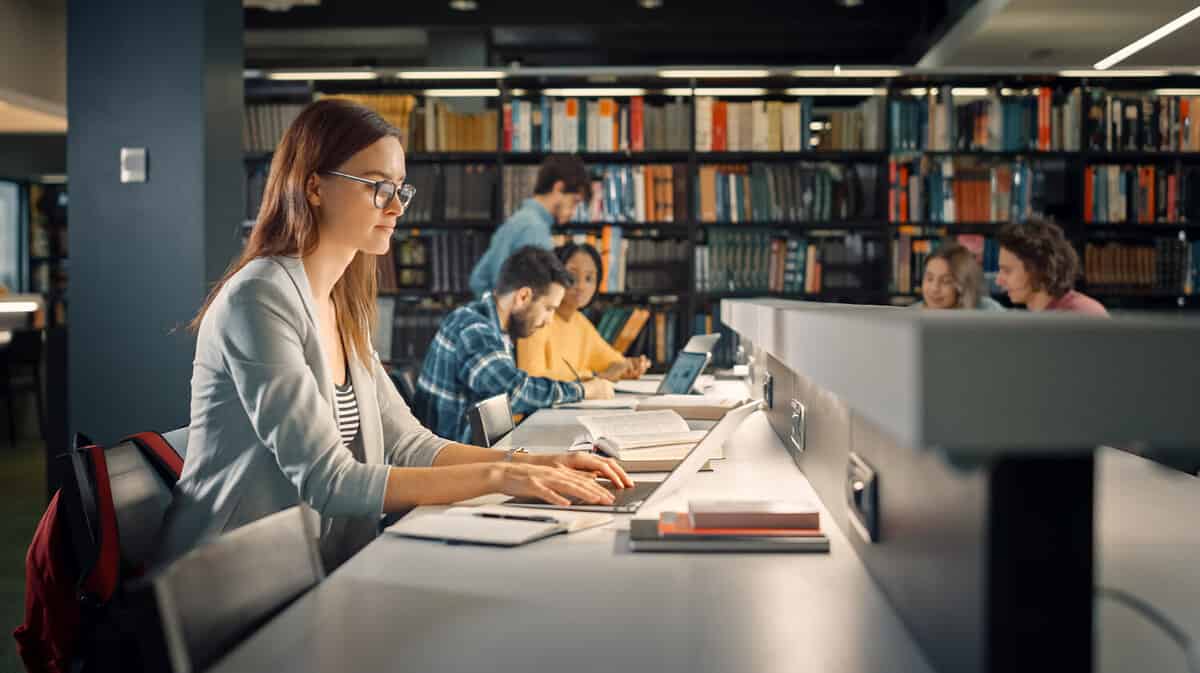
{"x": 862, "y": 497}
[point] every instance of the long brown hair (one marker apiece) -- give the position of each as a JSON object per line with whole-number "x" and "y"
{"x": 324, "y": 136}
{"x": 968, "y": 275}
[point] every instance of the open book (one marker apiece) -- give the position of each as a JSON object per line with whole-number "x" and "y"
{"x": 690, "y": 407}
{"x": 494, "y": 524}
{"x": 641, "y": 433}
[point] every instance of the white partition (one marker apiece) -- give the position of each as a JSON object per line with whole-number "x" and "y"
{"x": 981, "y": 383}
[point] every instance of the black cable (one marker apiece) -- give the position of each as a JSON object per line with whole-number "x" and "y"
{"x": 1191, "y": 651}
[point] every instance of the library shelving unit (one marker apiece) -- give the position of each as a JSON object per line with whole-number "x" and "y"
{"x": 809, "y": 209}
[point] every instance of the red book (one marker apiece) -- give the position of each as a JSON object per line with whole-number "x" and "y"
{"x": 508, "y": 129}
{"x": 904, "y": 194}
{"x": 1089, "y": 194}
{"x": 637, "y": 142}
{"x": 1044, "y": 118}
{"x": 1172, "y": 198}
{"x": 719, "y": 130}
{"x": 892, "y": 196}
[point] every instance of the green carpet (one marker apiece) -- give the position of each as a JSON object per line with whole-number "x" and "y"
{"x": 22, "y": 483}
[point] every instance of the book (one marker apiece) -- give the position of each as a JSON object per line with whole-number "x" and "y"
{"x": 626, "y": 436}
{"x": 494, "y": 524}
{"x": 753, "y": 514}
{"x": 690, "y": 407}
{"x": 680, "y": 526}
{"x": 644, "y": 537}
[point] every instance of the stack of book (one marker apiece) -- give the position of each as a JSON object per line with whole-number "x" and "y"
{"x": 738, "y": 260}
{"x": 732, "y": 526}
{"x": 805, "y": 192}
{"x": 1144, "y": 194}
{"x": 601, "y": 125}
{"x": 779, "y": 126}
{"x": 966, "y": 189}
{"x": 1130, "y": 122}
{"x": 436, "y": 127}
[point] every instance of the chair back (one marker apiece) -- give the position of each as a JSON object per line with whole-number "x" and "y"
{"x": 491, "y": 420}
{"x": 215, "y": 596}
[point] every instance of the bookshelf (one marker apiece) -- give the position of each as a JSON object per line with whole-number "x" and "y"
{"x": 860, "y": 248}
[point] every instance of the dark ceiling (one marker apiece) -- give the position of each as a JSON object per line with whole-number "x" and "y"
{"x": 621, "y": 32}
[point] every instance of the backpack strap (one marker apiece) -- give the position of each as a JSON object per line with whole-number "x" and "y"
{"x": 160, "y": 453}
{"x": 100, "y": 582}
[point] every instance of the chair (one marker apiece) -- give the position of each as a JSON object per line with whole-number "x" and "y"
{"x": 491, "y": 420}
{"x": 216, "y": 595}
{"x": 21, "y": 371}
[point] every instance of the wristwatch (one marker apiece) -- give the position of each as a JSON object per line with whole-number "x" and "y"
{"x": 508, "y": 455}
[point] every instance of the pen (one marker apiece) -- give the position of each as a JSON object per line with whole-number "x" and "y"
{"x": 518, "y": 517}
{"x": 577, "y": 379}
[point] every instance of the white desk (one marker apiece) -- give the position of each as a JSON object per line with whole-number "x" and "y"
{"x": 584, "y": 603}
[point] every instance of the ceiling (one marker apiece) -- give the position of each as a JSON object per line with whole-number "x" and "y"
{"x": 609, "y": 32}
{"x": 1074, "y": 33}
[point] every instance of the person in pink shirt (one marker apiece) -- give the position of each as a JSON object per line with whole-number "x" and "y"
{"x": 1038, "y": 268}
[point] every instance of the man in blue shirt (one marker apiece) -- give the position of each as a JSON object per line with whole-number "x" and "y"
{"x": 562, "y": 184}
{"x": 470, "y": 358}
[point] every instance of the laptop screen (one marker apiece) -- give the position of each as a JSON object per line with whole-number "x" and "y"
{"x": 683, "y": 374}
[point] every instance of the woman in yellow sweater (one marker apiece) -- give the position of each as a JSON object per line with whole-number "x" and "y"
{"x": 570, "y": 340}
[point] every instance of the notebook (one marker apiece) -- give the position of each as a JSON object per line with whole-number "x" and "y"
{"x": 494, "y": 524}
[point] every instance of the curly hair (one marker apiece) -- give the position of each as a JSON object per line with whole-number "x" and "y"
{"x": 1049, "y": 258}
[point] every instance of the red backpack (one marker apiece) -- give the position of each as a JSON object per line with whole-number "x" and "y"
{"x": 75, "y": 617}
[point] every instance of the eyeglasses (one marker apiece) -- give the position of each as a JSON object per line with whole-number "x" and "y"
{"x": 385, "y": 190}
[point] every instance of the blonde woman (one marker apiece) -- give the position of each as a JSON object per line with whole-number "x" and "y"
{"x": 954, "y": 280}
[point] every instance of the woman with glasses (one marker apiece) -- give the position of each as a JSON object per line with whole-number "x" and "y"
{"x": 290, "y": 403}
{"x": 953, "y": 279}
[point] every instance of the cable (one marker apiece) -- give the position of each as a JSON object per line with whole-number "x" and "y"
{"x": 1191, "y": 650}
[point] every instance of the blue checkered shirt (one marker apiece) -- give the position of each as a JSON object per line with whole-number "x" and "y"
{"x": 470, "y": 360}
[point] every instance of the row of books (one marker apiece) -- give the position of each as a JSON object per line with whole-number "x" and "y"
{"x": 620, "y": 193}
{"x": 1145, "y": 194}
{"x": 602, "y": 125}
{"x": 396, "y": 108}
{"x": 263, "y": 124}
{"x": 1040, "y": 120}
{"x": 653, "y": 330}
{"x": 961, "y": 189}
{"x": 912, "y": 246}
{"x": 405, "y": 328}
{"x": 433, "y": 261}
{"x": 739, "y": 260}
{"x": 437, "y": 127}
{"x": 804, "y": 192}
{"x": 1165, "y": 265}
{"x": 775, "y": 126}
{"x": 1143, "y": 123}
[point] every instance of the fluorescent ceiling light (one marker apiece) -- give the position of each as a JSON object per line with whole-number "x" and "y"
{"x": 450, "y": 74}
{"x": 717, "y": 91}
{"x": 462, "y": 93}
{"x": 18, "y": 306}
{"x": 584, "y": 92}
{"x": 714, "y": 73}
{"x": 1177, "y": 92}
{"x": 1148, "y": 39}
{"x": 839, "y": 71}
{"x": 968, "y": 91}
{"x": 323, "y": 75}
{"x": 517, "y": 92}
{"x": 1112, "y": 73}
{"x": 835, "y": 91}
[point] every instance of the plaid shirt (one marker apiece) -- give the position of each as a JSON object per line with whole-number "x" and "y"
{"x": 470, "y": 360}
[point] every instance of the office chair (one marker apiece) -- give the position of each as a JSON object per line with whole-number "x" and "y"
{"x": 491, "y": 420}
{"x": 216, "y": 595}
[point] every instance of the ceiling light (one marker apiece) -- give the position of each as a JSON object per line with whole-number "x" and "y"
{"x": 517, "y": 92}
{"x": 918, "y": 91}
{"x": 816, "y": 126}
{"x": 464, "y": 5}
{"x": 1177, "y": 92}
{"x": 716, "y": 91}
{"x": 1112, "y": 73}
{"x": 650, "y": 4}
{"x": 839, "y": 71}
{"x": 835, "y": 91}
{"x": 450, "y": 74}
{"x": 18, "y": 306}
{"x": 1148, "y": 39}
{"x": 714, "y": 73}
{"x": 584, "y": 92}
{"x": 462, "y": 93}
{"x": 969, "y": 91}
{"x": 323, "y": 75}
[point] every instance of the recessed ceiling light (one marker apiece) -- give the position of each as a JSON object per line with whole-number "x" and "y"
{"x": 650, "y": 4}
{"x": 464, "y": 5}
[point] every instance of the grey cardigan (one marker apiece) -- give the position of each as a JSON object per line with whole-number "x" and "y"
{"x": 263, "y": 435}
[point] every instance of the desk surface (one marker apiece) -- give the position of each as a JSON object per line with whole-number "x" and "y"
{"x": 585, "y": 603}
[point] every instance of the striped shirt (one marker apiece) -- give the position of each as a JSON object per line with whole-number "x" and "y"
{"x": 346, "y": 409}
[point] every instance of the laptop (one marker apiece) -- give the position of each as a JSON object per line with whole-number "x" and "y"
{"x": 680, "y": 378}
{"x": 628, "y": 500}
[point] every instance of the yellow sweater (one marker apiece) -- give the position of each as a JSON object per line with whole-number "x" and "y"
{"x": 576, "y": 340}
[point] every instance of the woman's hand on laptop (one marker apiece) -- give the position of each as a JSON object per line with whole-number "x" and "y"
{"x": 585, "y": 461}
{"x": 549, "y": 483}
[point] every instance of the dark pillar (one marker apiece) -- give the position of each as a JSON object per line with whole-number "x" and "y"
{"x": 167, "y": 77}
